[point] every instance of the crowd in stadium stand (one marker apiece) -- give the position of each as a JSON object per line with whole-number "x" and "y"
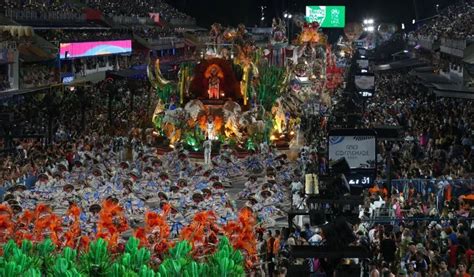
{"x": 103, "y": 35}
{"x": 431, "y": 234}
{"x": 37, "y": 76}
{"x": 454, "y": 22}
{"x": 44, "y": 10}
{"x": 39, "y": 5}
{"x": 83, "y": 35}
{"x": 436, "y": 143}
{"x": 137, "y": 8}
{"x": 4, "y": 83}
{"x": 31, "y": 113}
{"x": 153, "y": 33}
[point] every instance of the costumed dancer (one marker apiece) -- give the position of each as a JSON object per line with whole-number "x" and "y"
{"x": 210, "y": 128}
{"x": 207, "y": 151}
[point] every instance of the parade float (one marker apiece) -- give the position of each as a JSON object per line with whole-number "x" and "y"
{"x": 236, "y": 94}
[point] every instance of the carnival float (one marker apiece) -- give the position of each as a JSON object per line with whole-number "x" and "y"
{"x": 243, "y": 95}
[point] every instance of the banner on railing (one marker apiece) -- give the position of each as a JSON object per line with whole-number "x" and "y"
{"x": 92, "y": 14}
{"x": 155, "y": 17}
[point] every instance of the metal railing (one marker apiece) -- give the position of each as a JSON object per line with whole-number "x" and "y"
{"x": 454, "y": 43}
{"x": 129, "y": 20}
{"x": 427, "y": 186}
{"x": 182, "y": 21}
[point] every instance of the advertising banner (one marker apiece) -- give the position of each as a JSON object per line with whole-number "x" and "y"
{"x": 327, "y": 16}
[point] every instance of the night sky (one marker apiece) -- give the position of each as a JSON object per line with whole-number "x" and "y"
{"x": 228, "y": 12}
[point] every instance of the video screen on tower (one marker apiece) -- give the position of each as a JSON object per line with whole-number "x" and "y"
{"x": 327, "y": 16}
{"x": 363, "y": 64}
{"x": 359, "y": 150}
{"x": 365, "y": 82}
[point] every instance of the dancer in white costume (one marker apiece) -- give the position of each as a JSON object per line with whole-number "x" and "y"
{"x": 210, "y": 128}
{"x": 207, "y": 151}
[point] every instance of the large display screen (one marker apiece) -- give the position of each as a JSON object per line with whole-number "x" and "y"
{"x": 94, "y": 48}
{"x": 363, "y": 64}
{"x": 359, "y": 151}
{"x": 365, "y": 82}
{"x": 327, "y": 16}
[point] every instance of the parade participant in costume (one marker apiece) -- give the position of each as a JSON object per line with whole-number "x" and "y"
{"x": 20, "y": 194}
{"x": 58, "y": 179}
{"x": 210, "y": 128}
{"x": 68, "y": 195}
{"x": 250, "y": 187}
{"x": 148, "y": 173}
{"x": 90, "y": 220}
{"x": 164, "y": 183}
{"x": 207, "y": 151}
{"x": 203, "y": 181}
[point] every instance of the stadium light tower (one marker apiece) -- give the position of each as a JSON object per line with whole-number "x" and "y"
{"x": 368, "y": 24}
{"x": 262, "y": 14}
{"x": 288, "y": 17}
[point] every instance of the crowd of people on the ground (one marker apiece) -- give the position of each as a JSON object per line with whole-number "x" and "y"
{"x": 438, "y": 131}
{"x": 31, "y": 115}
{"x": 454, "y": 22}
{"x": 427, "y": 229}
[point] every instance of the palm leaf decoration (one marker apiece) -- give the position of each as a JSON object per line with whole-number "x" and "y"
{"x": 96, "y": 262}
{"x": 166, "y": 92}
{"x": 28, "y": 260}
{"x": 268, "y": 88}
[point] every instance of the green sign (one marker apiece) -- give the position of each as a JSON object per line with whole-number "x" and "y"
{"x": 327, "y": 16}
